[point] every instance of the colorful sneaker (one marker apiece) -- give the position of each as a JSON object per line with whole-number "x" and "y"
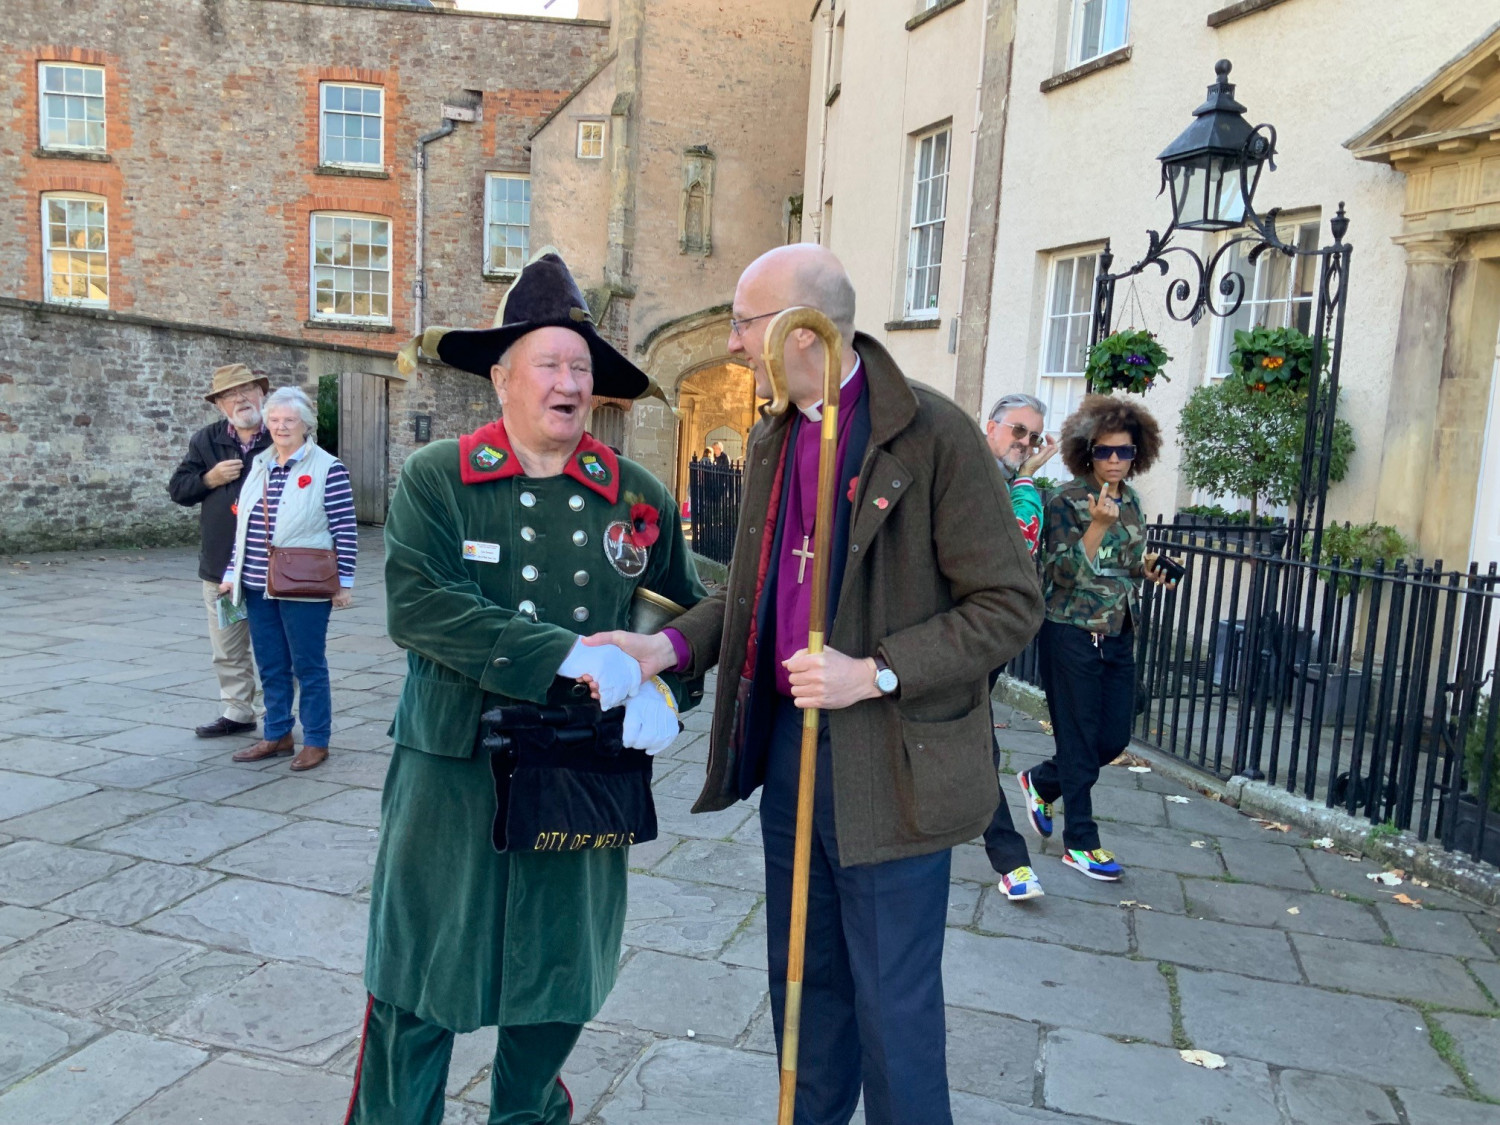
{"x": 1038, "y": 811}
{"x": 1021, "y": 884}
{"x": 1096, "y": 864}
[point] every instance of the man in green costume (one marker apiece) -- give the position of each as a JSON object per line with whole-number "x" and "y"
{"x": 501, "y": 549}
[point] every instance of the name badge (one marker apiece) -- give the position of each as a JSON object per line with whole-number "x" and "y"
{"x": 475, "y": 551}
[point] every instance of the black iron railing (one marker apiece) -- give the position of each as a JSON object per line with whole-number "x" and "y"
{"x": 714, "y": 489}
{"x": 1366, "y": 688}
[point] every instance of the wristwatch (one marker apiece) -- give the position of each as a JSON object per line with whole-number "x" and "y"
{"x": 886, "y": 680}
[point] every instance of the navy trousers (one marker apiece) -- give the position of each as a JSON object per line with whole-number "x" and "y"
{"x": 872, "y": 993}
{"x": 1091, "y": 697}
{"x": 290, "y": 640}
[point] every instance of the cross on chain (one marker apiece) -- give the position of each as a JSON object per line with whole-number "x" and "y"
{"x": 802, "y": 557}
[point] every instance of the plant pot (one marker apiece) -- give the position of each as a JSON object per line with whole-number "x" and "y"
{"x": 1342, "y": 684}
{"x": 1467, "y": 818}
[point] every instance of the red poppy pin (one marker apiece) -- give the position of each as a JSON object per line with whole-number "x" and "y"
{"x": 234, "y": 509}
{"x": 643, "y": 525}
{"x": 304, "y": 480}
{"x": 853, "y": 486}
{"x": 882, "y": 503}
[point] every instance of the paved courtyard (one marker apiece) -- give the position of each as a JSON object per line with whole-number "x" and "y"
{"x": 181, "y": 937}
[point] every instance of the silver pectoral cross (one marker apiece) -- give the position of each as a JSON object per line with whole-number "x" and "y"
{"x": 802, "y": 556}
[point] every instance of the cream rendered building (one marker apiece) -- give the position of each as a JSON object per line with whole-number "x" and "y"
{"x": 1390, "y": 106}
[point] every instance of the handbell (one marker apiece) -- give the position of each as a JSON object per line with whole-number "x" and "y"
{"x": 650, "y": 612}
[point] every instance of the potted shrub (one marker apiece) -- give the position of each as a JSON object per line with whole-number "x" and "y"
{"x": 1129, "y": 360}
{"x": 1271, "y": 358}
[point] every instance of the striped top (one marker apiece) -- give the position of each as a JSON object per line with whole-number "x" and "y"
{"x": 338, "y": 506}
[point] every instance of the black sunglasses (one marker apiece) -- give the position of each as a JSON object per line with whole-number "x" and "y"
{"x": 1105, "y": 452}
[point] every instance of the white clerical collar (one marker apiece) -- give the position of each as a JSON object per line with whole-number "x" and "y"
{"x": 814, "y": 413}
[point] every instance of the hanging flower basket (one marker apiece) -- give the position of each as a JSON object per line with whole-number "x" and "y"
{"x": 1275, "y": 358}
{"x": 1130, "y": 361}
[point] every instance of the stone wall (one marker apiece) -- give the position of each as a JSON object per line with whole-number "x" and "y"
{"x": 96, "y": 410}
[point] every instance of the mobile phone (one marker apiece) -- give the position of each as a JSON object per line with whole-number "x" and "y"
{"x": 1173, "y": 569}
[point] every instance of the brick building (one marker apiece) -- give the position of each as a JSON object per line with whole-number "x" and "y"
{"x": 194, "y": 183}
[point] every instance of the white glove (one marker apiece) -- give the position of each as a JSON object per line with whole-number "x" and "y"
{"x": 613, "y": 670}
{"x": 650, "y": 720}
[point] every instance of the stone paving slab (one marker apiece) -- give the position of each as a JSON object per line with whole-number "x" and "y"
{"x": 247, "y": 1092}
{"x": 674, "y": 995}
{"x": 102, "y": 1082}
{"x": 23, "y": 793}
{"x": 80, "y": 966}
{"x": 316, "y": 854}
{"x": 1244, "y": 904}
{"x": 284, "y": 794}
{"x": 1265, "y": 862}
{"x": 352, "y": 806}
{"x": 17, "y": 923}
{"x": 71, "y": 820}
{"x": 135, "y": 893}
{"x": 1479, "y": 1043}
{"x": 1400, "y": 974}
{"x": 600, "y": 1058}
{"x": 134, "y": 771}
{"x": 1322, "y": 1099}
{"x": 992, "y": 1056}
{"x": 30, "y": 1038}
{"x": 1430, "y": 1109}
{"x": 1103, "y": 929}
{"x": 679, "y": 917}
{"x": 187, "y": 833}
{"x": 1214, "y": 945}
{"x": 713, "y": 861}
{"x": 678, "y": 1082}
{"x": 290, "y": 1011}
{"x": 1138, "y": 1084}
{"x": 40, "y": 756}
{"x": 171, "y": 992}
{"x": 1446, "y": 932}
{"x": 1286, "y": 1025}
{"x": 33, "y": 872}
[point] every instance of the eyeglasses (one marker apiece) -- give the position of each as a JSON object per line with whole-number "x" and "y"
{"x": 1025, "y": 433}
{"x": 248, "y": 391}
{"x": 1105, "y": 452}
{"x": 737, "y": 326}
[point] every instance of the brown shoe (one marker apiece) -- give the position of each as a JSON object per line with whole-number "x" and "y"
{"x": 265, "y": 748}
{"x": 310, "y": 757}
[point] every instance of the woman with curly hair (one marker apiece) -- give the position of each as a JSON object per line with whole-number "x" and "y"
{"x": 1094, "y": 553}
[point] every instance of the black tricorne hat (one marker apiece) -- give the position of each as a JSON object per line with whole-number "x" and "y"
{"x": 544, "y": 295}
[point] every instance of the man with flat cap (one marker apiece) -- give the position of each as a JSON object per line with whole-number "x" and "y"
{"x": 217, "y": 462}
{"x": 502, "y": 547}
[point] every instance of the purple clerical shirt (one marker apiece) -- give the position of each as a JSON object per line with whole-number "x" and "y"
{"x": 794, "y": 572}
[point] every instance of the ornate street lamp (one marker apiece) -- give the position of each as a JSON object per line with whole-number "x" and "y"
{"x": 1213, "y": 167}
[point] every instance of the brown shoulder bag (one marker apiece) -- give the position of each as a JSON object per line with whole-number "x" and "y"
{"x": 298, "y": 572}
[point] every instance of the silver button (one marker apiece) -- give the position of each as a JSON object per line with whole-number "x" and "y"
{"x": 528, "y": 608}
{"x": 528, "y": 500}
{"x": 576, "y": 503}
{"x": 528, "y": 533}
{"x": 580, "y": 538}
{"x": 581, "y": 613}
{"x": 530, "y": 573}
{"x": 895, "y": 484}
{"x": 580, "y": 578}
{"x": 501, "y": 662}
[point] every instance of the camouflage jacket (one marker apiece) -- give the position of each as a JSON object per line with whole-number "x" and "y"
{"x": 1098, "y": 595}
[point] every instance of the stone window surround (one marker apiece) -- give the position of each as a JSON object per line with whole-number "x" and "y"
{"x": 48, "y": 250}
{"x": 41, "y": 100}
{"x": 347, "y": 321}
{"x": 337, "y": 167}
{"x": 1083, "y": 70}
{"x": 1237, "y": 11}
{"x": 932, "y": 9}
{"x": 911, "y": 312}
{"x": 1075, "y": 30}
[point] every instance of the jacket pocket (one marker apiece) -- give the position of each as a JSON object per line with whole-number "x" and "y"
{"x": 438, "y": 716}
{"x": 951, "y": 771}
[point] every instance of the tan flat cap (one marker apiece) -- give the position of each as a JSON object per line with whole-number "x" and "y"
{"x": 233, "y": 375}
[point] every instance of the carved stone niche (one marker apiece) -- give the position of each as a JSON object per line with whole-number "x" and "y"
{"x": 695, "y": 212}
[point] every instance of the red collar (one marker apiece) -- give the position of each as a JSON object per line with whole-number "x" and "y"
{"x": 486, "y": 455}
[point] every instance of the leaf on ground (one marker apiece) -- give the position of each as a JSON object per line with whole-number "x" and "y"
{"x": 1294, "y": 910}
{"x": 1045, "y": 725}
{"x": 1130, "y": 902}
{"x": 1407, "y": 900}
{"x": 1385, "y": 878}
{"x": 1176, "y": 800}
{"x": 1206, "y": 1059}
{"x": 1139, "y": 769}
{"x": 1199, "y": 844}
{"x": 1324, "y": 842}
{"x": 1271, "y": 825}
{"x": 1214, "y": 796}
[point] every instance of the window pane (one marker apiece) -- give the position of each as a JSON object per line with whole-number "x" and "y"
{"x": 73, "y": 80}
{"x": 93, "y": 82}
{"x": 1090, "y": 29}
{"x": 52, "y": 78}
{"x": 333, "y": 97}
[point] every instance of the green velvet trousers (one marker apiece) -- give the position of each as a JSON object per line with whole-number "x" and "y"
{"x": 403, "y": 1069}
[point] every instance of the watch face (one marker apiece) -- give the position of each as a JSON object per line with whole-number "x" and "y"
{"x": 886, "y": 680}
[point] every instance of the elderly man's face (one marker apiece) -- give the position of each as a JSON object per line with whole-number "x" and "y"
{"x": 1006, "y": 443}
{"x": 544, "y": 388}
{"x": 241, "y": 405}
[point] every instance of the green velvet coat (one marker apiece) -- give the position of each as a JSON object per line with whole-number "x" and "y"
{"x": 461, "y": 935}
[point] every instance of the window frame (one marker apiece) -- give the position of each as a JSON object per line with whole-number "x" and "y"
{"x": 1072, "y": 383}
{"x": 1076, "y": 57}
{"x": 324, "y": 111}
{"x": 353, "y": 319}
{"x": 578, "y": 139}
{"x": 915, "y": 227}
{"x": 1290, "y": 228}
{"x": 48, "y": 249}
{"x": 492, "y": 268}
{"x": 42, "y": 94}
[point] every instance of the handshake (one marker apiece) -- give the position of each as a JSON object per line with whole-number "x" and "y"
{"x": 621, "y": 667}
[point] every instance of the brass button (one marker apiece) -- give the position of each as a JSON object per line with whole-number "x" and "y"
{"x": 527, "y": 607}
{"x": 528, "y": 534}
{"x": 530, "y": 573}
{"x": 580, "y": 578}
{"x": 580, "y": 538}
{"x": 576, "y": 503}
{"x": 528, "y": 500}
{"x": 581, "y": 613}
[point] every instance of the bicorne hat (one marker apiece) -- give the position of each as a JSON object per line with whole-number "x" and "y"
{"x": 544, "y": 295}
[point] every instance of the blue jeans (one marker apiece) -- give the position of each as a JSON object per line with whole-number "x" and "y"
{"x": 289, "y": 639}
{"x": 872, "y": 994}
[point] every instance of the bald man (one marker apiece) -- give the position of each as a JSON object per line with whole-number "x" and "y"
{"x": 930, "y": 586}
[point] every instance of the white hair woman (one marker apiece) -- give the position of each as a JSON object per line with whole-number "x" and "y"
{"x": 296, "y": 495}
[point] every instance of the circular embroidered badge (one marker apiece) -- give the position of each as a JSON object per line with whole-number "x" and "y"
{"x": 628, "y": 557}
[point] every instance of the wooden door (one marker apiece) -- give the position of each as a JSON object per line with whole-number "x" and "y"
{"x": 362, "y": 439}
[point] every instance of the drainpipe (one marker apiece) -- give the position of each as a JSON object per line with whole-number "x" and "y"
{"x": 419, "y": 287}
{"x": 823, "y": 123}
